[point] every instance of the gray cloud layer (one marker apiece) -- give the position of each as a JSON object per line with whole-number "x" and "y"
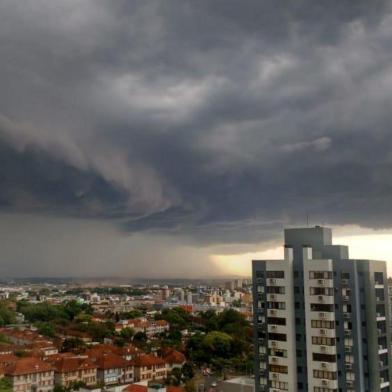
{"x": 219, "y": 121}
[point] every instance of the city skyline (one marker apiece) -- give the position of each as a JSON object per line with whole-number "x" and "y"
{"x": 179, "y": 138}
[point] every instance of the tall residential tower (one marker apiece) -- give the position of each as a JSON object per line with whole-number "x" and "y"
{"x": 320, "y": 318}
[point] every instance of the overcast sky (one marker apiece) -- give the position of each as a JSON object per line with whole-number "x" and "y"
{"x": 169, "y": 138}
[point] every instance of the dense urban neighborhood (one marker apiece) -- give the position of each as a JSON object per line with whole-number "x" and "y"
{"x": 65, "y": 337}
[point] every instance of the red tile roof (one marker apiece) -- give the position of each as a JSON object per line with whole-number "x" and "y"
{"x": 111, "y": 361}
{"x": 175, "y": 357}
{"x": 72, "y": 364}
{"x": 27, "y": 366}
{"x": 148, "y": 360}
{"x": 130, "y": 349}
{"x": 7, "y": 359}
{"x": 100, "y": 349}
{"x": 162, "y": 323}
{"x": 135, "y": 388}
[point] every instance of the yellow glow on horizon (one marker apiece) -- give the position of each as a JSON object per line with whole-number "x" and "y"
{"x": 369, "y": 244}
{"x": 240, "y": 264}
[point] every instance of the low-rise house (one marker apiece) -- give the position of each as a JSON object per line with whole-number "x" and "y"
{"x": 25, "y": 337}
{"x": 113, "y": 369}
{"x": 149, "y": 327}
{"x": 174, "y": 359}
{"x": 70, "y": 370}
{"x": 7, "y": 359}
{"x": 149, "y": 367}
{"x": 41, "y": 348}
{"x": 69, "y": 333}
{"x": 6, "y": 349}
{"x": 130, "y": 352}
{"x": 30, "y": 375}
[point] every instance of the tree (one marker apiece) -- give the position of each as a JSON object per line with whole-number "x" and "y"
{"x": 178, "y": 318}
{"x": 237, "y": 303}
{"x": 46, "y": 329}
{"x": 7, "y": 316}
{"x": 98, "y": 331}
{"x": 132, "y": 314}
{"x": 127, "y": 334}
{"x": 218, "y": 344}
{"x": 140, "y": 337}
{"x": 4, "y": 339}
{"x": 176, "y": 376}
{"x": 43, "y": 311}
{"x": 74, "y": 308}
{"x": 187, "y": 371}
{"x": 5, "y": 385}
{"x": 72, "y": 344}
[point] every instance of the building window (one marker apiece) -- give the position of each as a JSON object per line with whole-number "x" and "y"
{"x": 278, "y": 369}
{"x": 320, "y": 274}
{"x": 323, "y": 341}
{"x": 324, "y": 374}
{"x": 275, "y": 274}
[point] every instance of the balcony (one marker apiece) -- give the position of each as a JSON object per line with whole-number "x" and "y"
{"x": 348, "y": 366}
{"x": 274, "y": 297}
{"x": 350, "y": 384}
{"x": 276, "y": 282}
{"x": 380, "y": 317}
{"x": 324, "y": 383}
{"x": 330, "y": 316}
{"x": 322, "y": 299}
{"x": 382, "y": 350}
{"x": 322, "y": 282}
{"x": 331, "y": 350}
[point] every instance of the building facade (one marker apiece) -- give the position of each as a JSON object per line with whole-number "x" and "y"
{"x": 30, "y": 375}
{"x": 320, "y": 318}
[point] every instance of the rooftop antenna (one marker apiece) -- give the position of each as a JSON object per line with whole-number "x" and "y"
{"x": 307, "y": 219}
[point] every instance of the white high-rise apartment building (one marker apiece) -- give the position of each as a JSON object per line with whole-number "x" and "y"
{"x": 320, "y": 318}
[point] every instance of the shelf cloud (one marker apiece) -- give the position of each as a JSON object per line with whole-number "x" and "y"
{"x": 208, "y": 123}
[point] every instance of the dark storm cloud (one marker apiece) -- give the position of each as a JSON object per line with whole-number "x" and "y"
{"x": 220, "y": 121}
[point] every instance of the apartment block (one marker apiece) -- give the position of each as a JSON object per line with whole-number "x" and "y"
{"x": 321, "y": 320}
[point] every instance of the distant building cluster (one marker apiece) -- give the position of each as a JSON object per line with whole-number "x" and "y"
{"x": 36, "y": 363}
